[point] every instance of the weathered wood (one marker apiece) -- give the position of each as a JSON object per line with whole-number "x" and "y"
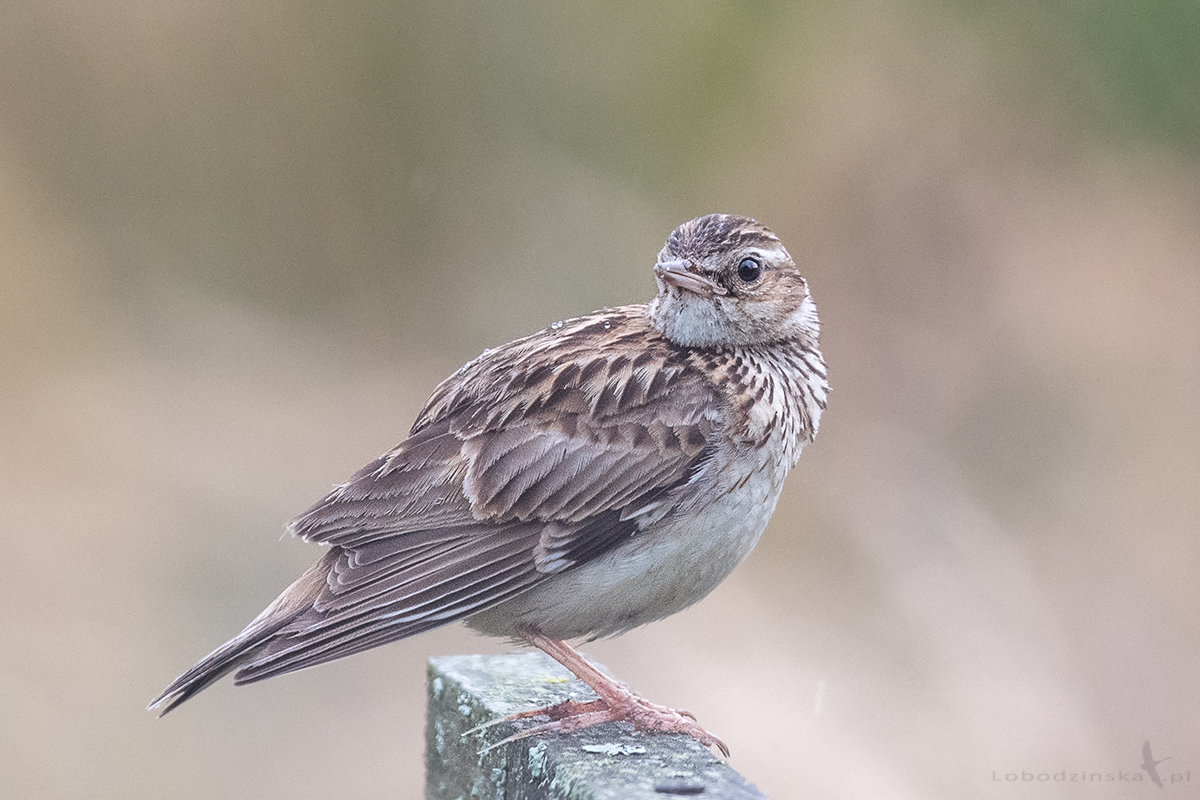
{"x": 606, "y": 762}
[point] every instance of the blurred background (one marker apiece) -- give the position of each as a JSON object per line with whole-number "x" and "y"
{"x": 241, "y": 243}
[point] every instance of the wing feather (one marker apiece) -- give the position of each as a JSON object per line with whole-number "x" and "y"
{"x": 536, "y": 457}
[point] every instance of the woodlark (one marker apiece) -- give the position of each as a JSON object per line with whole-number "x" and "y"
{"x": 597, "y": 475}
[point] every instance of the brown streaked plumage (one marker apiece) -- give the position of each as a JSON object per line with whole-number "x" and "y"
{"x": 578, "y": 482}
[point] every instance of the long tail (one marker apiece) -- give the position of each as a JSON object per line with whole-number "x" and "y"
{"x": 355, "y": 599}
{"x": 244, "y": 647}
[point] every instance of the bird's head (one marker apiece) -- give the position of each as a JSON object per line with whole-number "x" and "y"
{"x": 725, "y": 280}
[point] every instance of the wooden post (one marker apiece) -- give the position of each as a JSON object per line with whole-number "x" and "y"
{"x": 608, "y": 761}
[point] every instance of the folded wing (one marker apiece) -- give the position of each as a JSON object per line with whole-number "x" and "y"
{"x": 530, "y": 460}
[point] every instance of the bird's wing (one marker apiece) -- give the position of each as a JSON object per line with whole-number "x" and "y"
{"x": 538, "y": 456}
{"x": 550, "y": 428}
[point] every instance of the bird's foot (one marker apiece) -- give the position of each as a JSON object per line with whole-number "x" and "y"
{"x": 569, "y": 716}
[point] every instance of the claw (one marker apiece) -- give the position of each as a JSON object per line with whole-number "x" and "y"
{"x": 484, "y": 726}
{"x": 614, "y": 702}
{"x": 565, "y": 725}
{"x": 569, "y": 716}
{"x": 567, "y": 708}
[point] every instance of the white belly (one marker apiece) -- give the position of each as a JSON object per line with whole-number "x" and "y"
{"x": 658, "y": 572}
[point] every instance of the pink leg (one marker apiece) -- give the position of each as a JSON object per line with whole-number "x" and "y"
{"x": 614, "y": 702}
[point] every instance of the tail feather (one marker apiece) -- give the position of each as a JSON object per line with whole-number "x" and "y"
{"x": 244, "y": 647}
{"x": 344, "y": 604}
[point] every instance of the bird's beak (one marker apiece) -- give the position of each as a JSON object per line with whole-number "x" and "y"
{"x": 675, "y": 274}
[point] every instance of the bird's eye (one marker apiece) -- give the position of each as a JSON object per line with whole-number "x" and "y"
{"x": 749, "y": 270}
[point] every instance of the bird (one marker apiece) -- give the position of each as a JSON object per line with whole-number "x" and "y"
{"x": 603, "y": 473}
{"x": 1150, "y": 765}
